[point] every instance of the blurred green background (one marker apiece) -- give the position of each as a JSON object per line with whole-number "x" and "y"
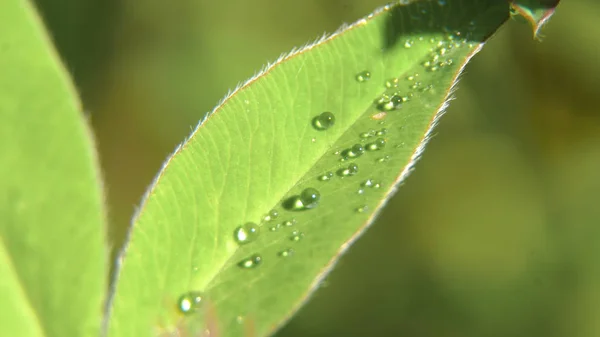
{"x": 496, "y": 233}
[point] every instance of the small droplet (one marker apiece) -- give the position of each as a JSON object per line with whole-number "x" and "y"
{"x": 376, "y": 145}
{"x": 351, "y": 170}
{"x": 408, "y": 44}
{"x": 250, "y": 262}
{"x": 382, "y": 132}
{"x": 360, "y": 191}
{"x": 363, "y": 76}
{"x": 368, "y": 183}
{"x": 239, "y": 319}
{"x": 309, "y": 198}
{"x": 362, "y": 209}
{"x": 246, "y": 233}
{"x": 190, "y": 302}
{"x": 383, "y": 159}
{"x": 286, "y": 253}
{"x": 387, "y": 103}
{"x": 296, "y": 236}
{"x": 355, "y": 151}
{"x": 369, "y": 134}
{"x": 392, "y": 83}
{"x": 273, "y": 214}
{"x": 325, "y": 177}
{"x": 323, "y": 121}
{"x": 289, "y": 223}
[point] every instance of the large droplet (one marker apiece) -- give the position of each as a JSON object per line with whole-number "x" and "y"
{"x": 309, "y": 198}
{"x": 246, "y": 233}
{"x": 363, "y": 76}
{"x": 190, "y": 302}
{"x": 324, "y": 121}
{"x": 250, "y": 262}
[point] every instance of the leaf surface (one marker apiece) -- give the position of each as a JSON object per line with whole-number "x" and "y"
{"x": 386, "y": 79}
{"x": 52, "y": 253}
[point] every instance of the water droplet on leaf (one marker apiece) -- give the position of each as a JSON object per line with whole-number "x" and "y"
{"x": 286, "y": 253}
{"x": 351, "y": 170}
{"x": 309, "y": 198}
{"x": 355, "y": 151}
{"x": 190, "y": 302}
{"x": 296, "y": 236}
{"x": 363, "y": 76}
{"x": 250, "y": 262}
{"x": 362, "y": 209}
{"x": 246, "y": 233}
{"x": 392, "y": 83}
{"x": 325, "y": 177}
{"x": 323, "y": 121}
{"x": 376, "y": 145}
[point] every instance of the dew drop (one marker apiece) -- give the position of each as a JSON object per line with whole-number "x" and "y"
{"x": 323, "y": 121}
{"x": 289, "y": 223}
{"x": 382, "y": 132}
{"x": 309, "y": 198}
{"x": 363, "y": 76}
{"x": 392, "y": 83}
{"x": 369, "y": 134}
{"x": 360, "y": 191}
{"x": 383, "y": 159}
{"x": 387, "y": 103}
{"x": 355, "y": 151}
{"x": 190, "y": 302}
{"x": 250, "y": 262}
{"x": 296, "y": 236}
{"x": 286, "y": 252}
{"x": 376, "y": 145}
{"x": 408, "y": 44}
{"x": 351, "y": 170}
{"x": 362, "y": 209}
{"x": 246, "y": 233}
{"x": 325, "y": 177}
{"x": 273, "y": 214}
{"x": 368, "y": 183}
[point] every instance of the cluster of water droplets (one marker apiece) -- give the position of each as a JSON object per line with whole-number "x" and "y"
{"x": 397, "y": 93}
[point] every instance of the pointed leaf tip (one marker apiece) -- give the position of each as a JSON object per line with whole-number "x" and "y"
{"x": 536, "y": 12}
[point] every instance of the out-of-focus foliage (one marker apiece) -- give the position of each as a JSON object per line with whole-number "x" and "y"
{"x": 495, "y": 234}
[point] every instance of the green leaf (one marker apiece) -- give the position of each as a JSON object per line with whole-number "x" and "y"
{"x": 52, "y": 254}
{"x": 386, "y": 79}
{"x": 536, "y": 12}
